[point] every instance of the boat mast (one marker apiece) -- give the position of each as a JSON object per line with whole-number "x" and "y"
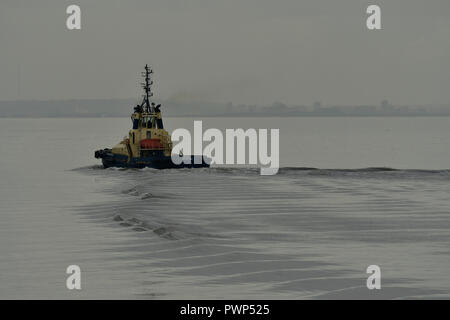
{"x": 147, "y": 86}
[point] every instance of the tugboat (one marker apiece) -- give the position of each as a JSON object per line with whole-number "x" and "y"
{"x": 147, "y": 144}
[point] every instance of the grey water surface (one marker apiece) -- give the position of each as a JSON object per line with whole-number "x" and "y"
{"x": 352, "y": 192}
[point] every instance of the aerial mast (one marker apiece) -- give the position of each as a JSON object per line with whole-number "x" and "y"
{"x": 147, "y": 86}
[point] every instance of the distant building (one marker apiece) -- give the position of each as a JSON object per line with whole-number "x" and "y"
{"x": 317, "y": 106}
{"x": 386, "y": 106}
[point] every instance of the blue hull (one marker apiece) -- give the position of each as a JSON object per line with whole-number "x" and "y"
{"x": 159, "y": 161}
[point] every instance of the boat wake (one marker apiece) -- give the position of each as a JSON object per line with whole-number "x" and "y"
{"x": 382, "y": 172}
{"x": 303, "y": 233}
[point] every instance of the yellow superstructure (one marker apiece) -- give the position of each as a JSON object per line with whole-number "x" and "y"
{"x": 146, "y": 126}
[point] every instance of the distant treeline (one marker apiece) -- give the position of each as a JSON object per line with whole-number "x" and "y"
{"x": 124, "y": 107}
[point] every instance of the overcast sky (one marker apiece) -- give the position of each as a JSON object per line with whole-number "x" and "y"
{"x": 243, "y": 51}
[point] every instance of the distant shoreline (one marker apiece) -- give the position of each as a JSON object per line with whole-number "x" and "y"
{"x": 118, "y": 108}
{"x": 232, "y": 116}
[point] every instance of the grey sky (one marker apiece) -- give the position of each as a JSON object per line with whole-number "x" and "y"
{"x": 244, "y": 51}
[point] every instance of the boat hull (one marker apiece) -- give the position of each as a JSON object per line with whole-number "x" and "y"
{"x": 159, "y": 161}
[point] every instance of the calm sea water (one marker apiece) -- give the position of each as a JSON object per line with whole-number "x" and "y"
{"x": 352, "y": 192}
